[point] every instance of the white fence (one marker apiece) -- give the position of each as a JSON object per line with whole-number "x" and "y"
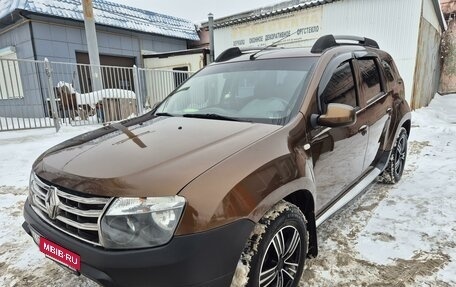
{"x": 37, "y": 94}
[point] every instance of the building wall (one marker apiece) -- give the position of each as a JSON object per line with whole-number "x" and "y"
{"x": 60, "y": 41}
{"x": 427, "y": 71}
{"x": 448, "y": 75}
{"x": 393, "y": 24}
{"x": 430, "y": 15}
{"x": 19, "y": 37}
{"x": 302, "y": 28}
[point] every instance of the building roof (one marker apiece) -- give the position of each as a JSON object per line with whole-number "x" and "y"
{"x": 290, "y": 6}
{"x": 264, "y": 12}
{"x": 108, "y": 14}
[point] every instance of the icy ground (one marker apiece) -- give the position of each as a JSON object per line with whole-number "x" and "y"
{"x": 400, "y": 235}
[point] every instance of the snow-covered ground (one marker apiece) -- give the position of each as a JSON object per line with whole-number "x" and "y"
{"x": 399, "y": 235}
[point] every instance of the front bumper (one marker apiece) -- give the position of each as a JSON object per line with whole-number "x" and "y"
{"x": 203, "y": 259}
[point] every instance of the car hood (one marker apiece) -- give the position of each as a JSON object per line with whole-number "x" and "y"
{"x": 157, "y": 157}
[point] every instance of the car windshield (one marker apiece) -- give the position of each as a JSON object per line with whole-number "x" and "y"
{"x": 262, "y": 91}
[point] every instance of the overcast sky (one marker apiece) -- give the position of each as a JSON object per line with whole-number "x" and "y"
{"x": 197, "y": 10}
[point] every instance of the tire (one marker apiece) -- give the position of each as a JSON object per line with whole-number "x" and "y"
{"x": 282, "y": 230}
{"x": 396, "y": 163}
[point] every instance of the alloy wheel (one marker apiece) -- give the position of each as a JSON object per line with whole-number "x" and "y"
{"x": 401, "y": 153}
{"x": 281, "y": 259}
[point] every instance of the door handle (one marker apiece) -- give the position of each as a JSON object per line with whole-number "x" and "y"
{"x": 363, "y": 130}
{"x": 389, "y": 111}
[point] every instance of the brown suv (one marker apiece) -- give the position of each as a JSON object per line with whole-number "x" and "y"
{"x": 232, "y": 172}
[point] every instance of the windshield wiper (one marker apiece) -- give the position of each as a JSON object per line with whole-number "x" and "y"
{"x": 213, "y": 117}
{"x": 164, "y": 115}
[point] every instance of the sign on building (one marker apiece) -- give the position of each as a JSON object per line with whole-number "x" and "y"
{"x": 298, "y": 26}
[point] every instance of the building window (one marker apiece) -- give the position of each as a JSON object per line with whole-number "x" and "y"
{"x": 10, "y": 76}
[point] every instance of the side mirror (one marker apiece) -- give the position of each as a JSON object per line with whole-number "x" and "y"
{"x": 337, "y": 115}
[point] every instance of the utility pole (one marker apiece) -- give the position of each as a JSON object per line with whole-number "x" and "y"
{"x": 211, "y": 36}
{"x": 92, "y": 45}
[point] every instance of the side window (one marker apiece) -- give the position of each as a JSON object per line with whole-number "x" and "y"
{"x": 370, "y": 78}
{"x": 341, "y": 88}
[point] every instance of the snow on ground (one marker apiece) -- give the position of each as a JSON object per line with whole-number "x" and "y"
{"x": 19, "y": 149}
{"x": 392, "y": 235}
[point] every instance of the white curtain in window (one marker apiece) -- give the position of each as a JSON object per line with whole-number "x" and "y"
{"x": 10, "y": 76}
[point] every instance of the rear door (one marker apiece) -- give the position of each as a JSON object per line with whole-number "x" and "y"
{"x": 338, "y": 153}
{"x": 378, "y": 104}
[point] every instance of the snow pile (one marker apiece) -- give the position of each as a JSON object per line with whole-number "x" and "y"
{"x": 240, "y": 277}
{"x": 93, "y": 98}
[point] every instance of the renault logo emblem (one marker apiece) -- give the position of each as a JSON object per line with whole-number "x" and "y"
{"x": 52, "y": 202}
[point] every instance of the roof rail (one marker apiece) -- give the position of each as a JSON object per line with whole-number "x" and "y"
{"x": 229, "y": 54}
{"x": 329, "y": 41}
{"x": 234, "y": 52}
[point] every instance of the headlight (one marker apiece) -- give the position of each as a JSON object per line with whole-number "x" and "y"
{"x": 141, "y": 222}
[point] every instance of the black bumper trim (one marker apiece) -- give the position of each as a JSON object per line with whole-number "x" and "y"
{"x": 202, "y": 259}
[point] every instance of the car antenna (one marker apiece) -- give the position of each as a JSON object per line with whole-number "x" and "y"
{"x": 252, "y": 57}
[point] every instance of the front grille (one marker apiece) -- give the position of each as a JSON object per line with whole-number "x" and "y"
{"x": 73, "y": 213}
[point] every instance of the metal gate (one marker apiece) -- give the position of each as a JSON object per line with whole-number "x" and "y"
{"x": 39, "y": 94}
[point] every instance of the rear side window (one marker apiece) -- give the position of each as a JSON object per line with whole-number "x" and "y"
{"x": 341, "y": 87}
{"x": 389, "y": 74}
{"x": 370, "y": 78}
